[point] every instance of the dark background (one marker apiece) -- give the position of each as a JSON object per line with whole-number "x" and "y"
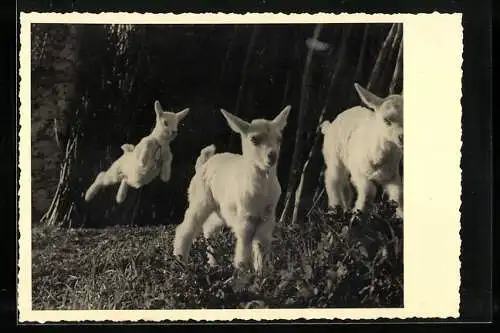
{"x": 95, "y": 86}
{"x": 476, "y": 290}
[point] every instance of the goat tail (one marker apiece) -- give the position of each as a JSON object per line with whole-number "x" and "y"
{"x": 324, "y": 126}
{"x": 205, "y": 154}
{"x": 127, "y": 148}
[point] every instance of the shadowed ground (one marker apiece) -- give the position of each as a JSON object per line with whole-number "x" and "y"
{"x": 321, "y": 264}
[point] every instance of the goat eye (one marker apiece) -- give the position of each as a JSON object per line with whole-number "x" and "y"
{"x": 388, "y": 122}
{"x": 165, "y": 123}
{"x": 255, "y": 140}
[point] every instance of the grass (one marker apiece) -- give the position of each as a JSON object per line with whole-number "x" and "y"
{"x": 327, "y": 262}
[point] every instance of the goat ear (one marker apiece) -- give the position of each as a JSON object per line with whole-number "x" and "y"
{"x": 182, "y": 114}
{"x": 280, "y": 120}
{"x": 158, "y": 108}
{"x": 236, "y": 124}
{"x": 369, "y": 98}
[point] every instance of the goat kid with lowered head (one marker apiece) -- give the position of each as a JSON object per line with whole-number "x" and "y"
{"x": 140, "y": 164}
{"x": 365, "y": 144}
{"x": 240, "y": 191}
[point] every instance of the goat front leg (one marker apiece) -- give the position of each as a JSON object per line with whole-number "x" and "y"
{"x": 394, "y": 191}
{"x": 261, "y": 246}
{"x": 166, "y": 170}
{"x": 147, "y": 151}
{"x": 347, "y": 195}
{"x": 244, "y": 230}
{"x": 122, "y": 191}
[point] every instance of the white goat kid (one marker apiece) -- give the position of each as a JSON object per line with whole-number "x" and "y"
{"x": 239, "y": 191}
{"x": 140, "y": 164}
{"x": 367, "y": 145}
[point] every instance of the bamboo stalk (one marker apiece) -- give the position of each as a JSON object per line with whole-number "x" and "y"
{"x": 312, "y": 151}
{"x": 362, "y": 52}
{"x": 298, "y": 136}
{"x": 381, "y": 56}
{"x": 397, "y": 69}
{"x": 248, "y": 54}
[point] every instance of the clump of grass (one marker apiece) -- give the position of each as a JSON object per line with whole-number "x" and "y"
{"x": 325, "y": 262}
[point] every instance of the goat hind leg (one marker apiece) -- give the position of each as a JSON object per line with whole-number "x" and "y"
{"x": 190, "y": 227}
{"x": 333, "y": 183}
{"x": 103, "y": 179}
{"x": 94, "y": 187}
{"x": 244, "y": 232}
{"x": 366, "y": 191}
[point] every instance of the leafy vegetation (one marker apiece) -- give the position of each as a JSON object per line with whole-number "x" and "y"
{"x": 326, "y": 262}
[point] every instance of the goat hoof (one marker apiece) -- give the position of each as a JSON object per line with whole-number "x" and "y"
{"x": 179, "y": 262}
{"x": 334, "y": 210}
{"x": 229, "y": 280}
{"x": 355, "y": 220}
{"x": 242, "y": 266}
{"x": 211, "y": 261}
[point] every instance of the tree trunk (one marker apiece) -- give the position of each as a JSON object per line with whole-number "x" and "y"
{"x": 63, "y": 63}
{"x": 295, "y": 165}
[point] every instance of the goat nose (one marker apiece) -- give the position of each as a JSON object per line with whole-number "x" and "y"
{"x": 272, "y": 157}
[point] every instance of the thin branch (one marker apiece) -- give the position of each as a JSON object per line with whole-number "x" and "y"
{"x": 42, "y": 51}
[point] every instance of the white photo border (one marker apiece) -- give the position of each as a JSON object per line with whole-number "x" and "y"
{"x": 432, "y": 179}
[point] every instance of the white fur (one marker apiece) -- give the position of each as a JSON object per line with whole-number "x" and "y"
{"x": 240, "y": 191}
{"x": 360, "y": 144}
{"x": 140, "y": 164}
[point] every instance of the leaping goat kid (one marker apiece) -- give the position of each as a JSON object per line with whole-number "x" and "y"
{"x": 240, "y": 191}
{"x": 140, "y": 164}
{"x": 365, "y": 144}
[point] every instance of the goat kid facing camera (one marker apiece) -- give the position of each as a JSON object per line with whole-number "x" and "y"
{"x": 140, "y": 164}
{"x": 240, "y": 191}
{"x": 364, "y": 145}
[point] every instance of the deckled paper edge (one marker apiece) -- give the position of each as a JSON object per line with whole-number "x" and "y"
{"x": 419, "y": 235}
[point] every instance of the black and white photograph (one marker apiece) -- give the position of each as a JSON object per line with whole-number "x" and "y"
{"x": 182, "y": 166}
